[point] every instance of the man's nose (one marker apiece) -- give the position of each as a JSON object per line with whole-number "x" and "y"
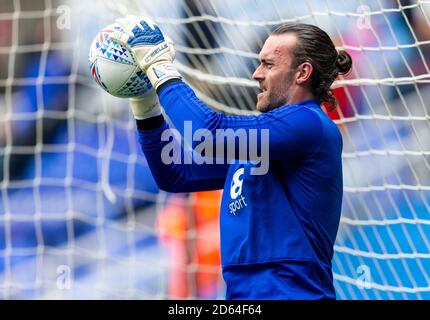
{"x": 258, "y": 75}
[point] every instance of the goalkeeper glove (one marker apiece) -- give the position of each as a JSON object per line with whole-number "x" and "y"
{"x": 154, "y": 52}
{"x": 146, "y": 106}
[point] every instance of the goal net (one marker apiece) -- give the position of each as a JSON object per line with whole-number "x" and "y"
{"x": 80, "y": 214}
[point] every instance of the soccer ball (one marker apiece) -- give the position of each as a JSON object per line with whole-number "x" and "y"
{"x": 114, "y": 67}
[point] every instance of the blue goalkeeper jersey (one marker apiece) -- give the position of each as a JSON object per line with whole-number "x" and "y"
{"x": 277, "y": 229}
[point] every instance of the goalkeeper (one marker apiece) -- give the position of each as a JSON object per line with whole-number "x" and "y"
{"x": 277, "y": 229}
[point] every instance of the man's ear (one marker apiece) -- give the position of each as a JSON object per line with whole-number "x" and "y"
{"x": 304, "y": 72}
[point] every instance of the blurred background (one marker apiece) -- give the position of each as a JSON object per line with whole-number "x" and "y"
{"x": 65, "y": 145}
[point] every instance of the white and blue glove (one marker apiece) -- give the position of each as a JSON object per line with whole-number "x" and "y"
{"x": 153, "y": 51}
{"x": 146, "y": 106}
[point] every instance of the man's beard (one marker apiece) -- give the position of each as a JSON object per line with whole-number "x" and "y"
{"x": 277, "y": 99}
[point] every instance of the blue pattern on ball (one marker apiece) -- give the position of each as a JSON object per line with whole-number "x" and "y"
{"x": 105, "y": 49}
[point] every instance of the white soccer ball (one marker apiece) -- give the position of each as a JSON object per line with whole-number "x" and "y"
{"x": 114, "y": 67}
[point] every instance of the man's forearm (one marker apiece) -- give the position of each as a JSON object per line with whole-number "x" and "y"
{"x": 178, "y": 175}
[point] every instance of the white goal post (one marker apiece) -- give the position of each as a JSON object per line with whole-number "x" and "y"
{"x": 80, "y": 215}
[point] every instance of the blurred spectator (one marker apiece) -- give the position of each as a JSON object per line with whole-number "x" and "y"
{"x": 67, "y": 197}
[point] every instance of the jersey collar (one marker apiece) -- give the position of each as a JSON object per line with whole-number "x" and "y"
{"x": 310, "y": 103}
